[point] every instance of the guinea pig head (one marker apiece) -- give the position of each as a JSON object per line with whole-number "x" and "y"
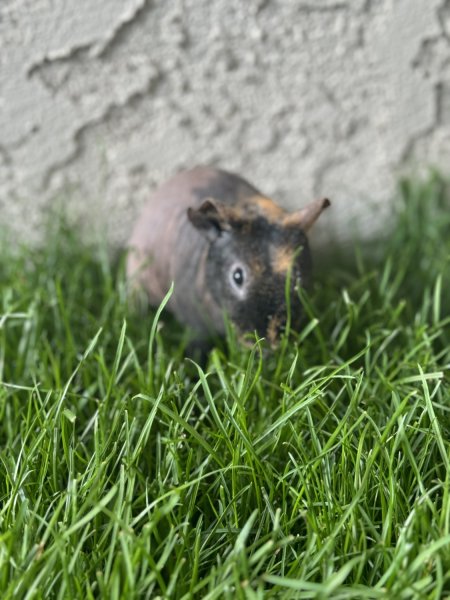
{"x": 258, "y": 256}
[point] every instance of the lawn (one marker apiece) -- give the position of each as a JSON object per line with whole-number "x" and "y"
{"x": 320, "y": 470}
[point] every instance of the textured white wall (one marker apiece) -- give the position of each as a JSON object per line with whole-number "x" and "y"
{"x": 101, "y": 100}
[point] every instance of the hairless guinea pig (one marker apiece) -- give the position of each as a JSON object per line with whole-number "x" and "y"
{"x": 227, "y": 247}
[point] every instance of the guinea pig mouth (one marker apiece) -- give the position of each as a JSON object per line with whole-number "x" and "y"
{"x": 274, "y": 329}
{"x": 277, "y": 326}
{"x": 272, "y": 335}
{"x": 272, "y": 332}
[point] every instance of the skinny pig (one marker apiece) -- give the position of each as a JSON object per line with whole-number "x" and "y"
{"x": 227, "y": 247}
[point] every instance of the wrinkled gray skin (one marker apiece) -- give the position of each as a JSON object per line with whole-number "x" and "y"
{"x": 228, "y": 249}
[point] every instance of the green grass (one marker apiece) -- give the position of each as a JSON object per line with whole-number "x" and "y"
{"x": 321, "y": 470}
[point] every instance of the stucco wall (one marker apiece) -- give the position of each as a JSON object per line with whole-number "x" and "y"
{"x": 101, "y": 100}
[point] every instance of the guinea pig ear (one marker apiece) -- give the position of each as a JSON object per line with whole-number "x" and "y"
{"x": 209, "y": 218}
{"x": 307, "y": 216}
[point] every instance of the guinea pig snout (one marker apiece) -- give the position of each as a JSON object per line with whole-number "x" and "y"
{"x": 275, "y": 326}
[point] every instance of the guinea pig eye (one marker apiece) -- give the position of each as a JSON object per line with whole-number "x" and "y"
{"x": 238, "y": 279}
{"x": 238, "y": 276}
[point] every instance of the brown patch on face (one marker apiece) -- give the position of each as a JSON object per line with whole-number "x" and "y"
{"x": 282, "y": 258}
{"x": 265, "y": 207}
{"x": 272, "y": 331}
{"x": 256, "y": 265}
